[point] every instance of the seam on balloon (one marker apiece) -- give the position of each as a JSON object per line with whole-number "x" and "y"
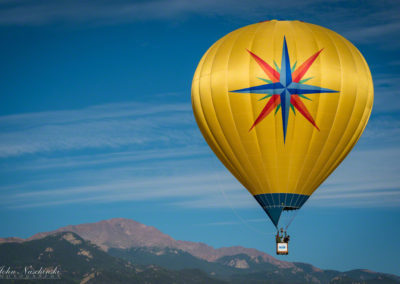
{"x": 314, "y": 135}
{"x": 219, "y": 124}
{"x": 334, "y": 119}
{"x": 294, "y": 47}
{"x": 311, "y": 135}
{"x": 227, "y": 159}
{"x": 275, "y": 119}
{"x": 357, "y": 132}
{"x": 243, "y": 150}
{"x": 324, "y": 173}
{"x": 252, "y": 115}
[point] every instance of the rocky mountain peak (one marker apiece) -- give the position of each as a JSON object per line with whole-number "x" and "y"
{"x": 124, "y": 233}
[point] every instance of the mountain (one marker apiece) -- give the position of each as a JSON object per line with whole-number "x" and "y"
{"x": 11, "y": 240}
{"x": 67, "y": 258}
{"x": 138, "y": 246}
{"x": 172, "y": 259}
{"x": 125, "y": 233}
{"x": 242, "y": 268}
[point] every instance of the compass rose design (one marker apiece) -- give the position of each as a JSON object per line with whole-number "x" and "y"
{"x": 285, "y": 88}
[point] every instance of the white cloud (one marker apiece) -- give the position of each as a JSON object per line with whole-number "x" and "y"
{"x": 134, "y": 189}
{"x": 376, "y": 18}
{"x": 386, "y": 95}
{"x": 104, "y": 126}
{"x": 183, "y": 173}
{"x": 367, "y": 178}
{"x": 112, "y": 158}
{"x": 38, "y": 12}
{"x": 370, "y": 32}
{"x": 237, "y": 222}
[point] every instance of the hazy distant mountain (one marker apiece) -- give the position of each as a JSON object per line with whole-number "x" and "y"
{"x": 11, "y": 240}
{"x": 125, "y": 233}
{"x": 140, "y": 245}
{"x": 79, "y": 261}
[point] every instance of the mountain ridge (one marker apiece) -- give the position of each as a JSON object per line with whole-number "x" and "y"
{"x": 68, "y": 258}
{"x": 130, "y": 240}
{"x": 126, "y": 233}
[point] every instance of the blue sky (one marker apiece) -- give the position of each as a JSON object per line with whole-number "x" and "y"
{"x": 96, "y": 123}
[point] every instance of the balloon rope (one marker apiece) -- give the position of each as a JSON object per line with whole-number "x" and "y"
{"x": 291, "y": 220}
{"x": 237, "y": 215}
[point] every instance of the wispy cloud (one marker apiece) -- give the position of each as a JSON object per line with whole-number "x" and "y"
{"x": 379, "y": 199}
{"x": 158, "y": 188}
{"x": 369, "y": 22}
{"x": 382, "y": 131}
{"x": 237, "y": 222}
{"x": 367, "y": 179}
{"x": 386, "y": 90}
{"x": 171, "y": 163}
{"x": 26, "y": 12}
{"x": 366, "y": 33}
{"x": 110, "y": 159}
{"x": 104, "y": 126}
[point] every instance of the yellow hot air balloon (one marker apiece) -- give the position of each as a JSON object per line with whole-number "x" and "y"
{"x": 281, "y": 103}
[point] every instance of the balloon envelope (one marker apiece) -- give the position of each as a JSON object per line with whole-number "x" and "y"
{"x": 281, "y": 103}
